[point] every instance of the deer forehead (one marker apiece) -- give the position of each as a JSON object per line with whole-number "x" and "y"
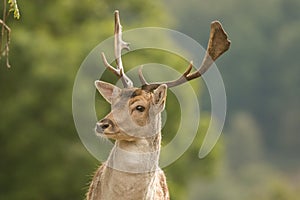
{"x": 130, "y": 96}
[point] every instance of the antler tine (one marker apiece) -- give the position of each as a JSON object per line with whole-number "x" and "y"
{"x": 141, "y": 76}
{"x": 119, "y": 44}
{"x": 218, "y": 44}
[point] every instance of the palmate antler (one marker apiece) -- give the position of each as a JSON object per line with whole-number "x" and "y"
{"x": 218, "y": 44}
{"x": 119, "y": 45}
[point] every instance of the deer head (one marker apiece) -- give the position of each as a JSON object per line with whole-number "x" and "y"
{"x": 136, "y": 111}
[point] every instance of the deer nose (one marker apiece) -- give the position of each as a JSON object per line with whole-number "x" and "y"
{"x": 103, "y": 124}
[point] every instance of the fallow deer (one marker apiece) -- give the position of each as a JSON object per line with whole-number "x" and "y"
{"x": 131, "y": 171}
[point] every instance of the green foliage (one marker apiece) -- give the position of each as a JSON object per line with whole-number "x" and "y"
{"x": 261, "y": 66}
{"x": 5, "y": 29}
{"x": 14, "y": 8}
{"x": 188, "y": 168}
{"x": 261, "y": 74}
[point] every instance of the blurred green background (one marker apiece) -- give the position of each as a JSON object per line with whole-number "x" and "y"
{"x": 257, "y": 157}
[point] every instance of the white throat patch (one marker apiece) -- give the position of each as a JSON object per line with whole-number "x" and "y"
{"x": 133, "y": 162}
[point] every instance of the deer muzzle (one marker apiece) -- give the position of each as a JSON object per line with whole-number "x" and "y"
{"x": 104, "y": 125}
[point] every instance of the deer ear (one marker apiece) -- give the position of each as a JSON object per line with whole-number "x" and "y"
{"x": 107, "y": 90}
{"x": 159, "y": 97}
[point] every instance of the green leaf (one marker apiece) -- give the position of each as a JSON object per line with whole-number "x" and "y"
{"x": 14, "y": 8}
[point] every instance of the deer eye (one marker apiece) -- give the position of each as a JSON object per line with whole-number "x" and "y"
{"x": 140, "y": 108}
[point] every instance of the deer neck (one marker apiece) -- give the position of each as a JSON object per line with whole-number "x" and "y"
{"x": 138, "y": 156}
